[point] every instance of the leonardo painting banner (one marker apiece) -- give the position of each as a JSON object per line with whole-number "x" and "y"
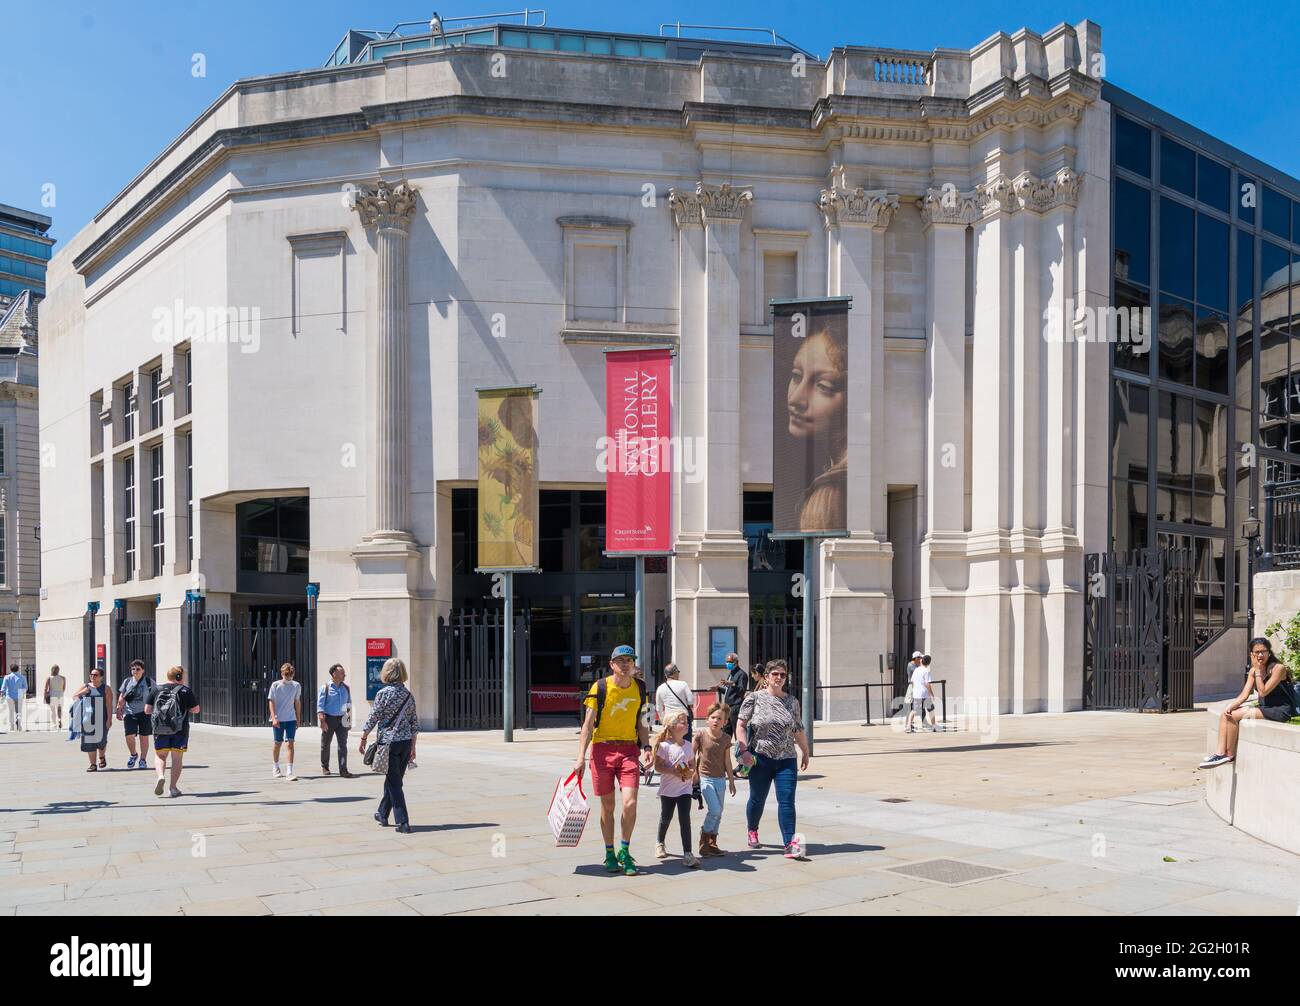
{"x": 507, "y": 478}
{"x": 810, "y": 430}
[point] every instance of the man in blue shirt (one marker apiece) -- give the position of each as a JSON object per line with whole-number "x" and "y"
{"x": 334, "y": 711}
{"x": 14, "y": 688}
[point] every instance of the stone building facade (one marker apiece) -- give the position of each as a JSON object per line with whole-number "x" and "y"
{"x": 289, "y": 309}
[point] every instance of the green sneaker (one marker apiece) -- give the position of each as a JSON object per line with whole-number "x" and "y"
{"x": 611, "y": 863}
{"x": 627, "y": 863}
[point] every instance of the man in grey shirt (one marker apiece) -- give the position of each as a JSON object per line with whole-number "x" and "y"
{"x": 284, "y": 701}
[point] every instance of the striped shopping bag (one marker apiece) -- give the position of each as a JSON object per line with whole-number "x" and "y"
{"x": 569, "y": 812}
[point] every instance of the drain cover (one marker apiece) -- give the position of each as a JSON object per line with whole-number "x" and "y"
{"x": 948, "y": 871}
{"x": 895, "y": 799}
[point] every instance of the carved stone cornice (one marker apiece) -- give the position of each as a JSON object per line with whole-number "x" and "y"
{"x": 386, "y": 205}
{"x": 996, "y": 196}
{"x": 857, "y": 207}
{"x": 1040, "y": 195}
{"x": 948, "y": 206}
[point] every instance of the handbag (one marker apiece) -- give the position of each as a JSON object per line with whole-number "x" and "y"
{"x": 377, "y": 754}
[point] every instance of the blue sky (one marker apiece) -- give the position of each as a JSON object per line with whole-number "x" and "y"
{"x": 92, "y": 91}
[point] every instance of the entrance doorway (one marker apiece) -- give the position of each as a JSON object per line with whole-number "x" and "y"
{"x": 579, "y": 607}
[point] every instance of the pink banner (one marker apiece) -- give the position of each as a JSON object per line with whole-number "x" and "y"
{"x": 638, "y": 459}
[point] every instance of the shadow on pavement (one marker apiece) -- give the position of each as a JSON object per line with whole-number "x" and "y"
{"x": 946, "y": 750}
{"x": 451, "y": 827}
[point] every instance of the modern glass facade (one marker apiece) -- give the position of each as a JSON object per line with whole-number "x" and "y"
{"x": 1206, "y": 245}
{"x": 24, "y": 251}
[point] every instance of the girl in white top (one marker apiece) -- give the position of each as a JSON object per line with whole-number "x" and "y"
{"x": 675, "y": 762}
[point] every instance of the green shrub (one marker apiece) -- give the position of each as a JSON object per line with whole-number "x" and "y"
{"x": 1288, "y": 647}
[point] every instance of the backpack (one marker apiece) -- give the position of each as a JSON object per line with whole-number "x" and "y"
{"x": 602, "y": 687}
{"x": 168, "y": 712}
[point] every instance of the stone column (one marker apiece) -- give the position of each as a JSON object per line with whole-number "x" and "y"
{"x": 710, "y": 575}
{"x": 855, "y": 574}
{"x": 988, "y": 609}
{"x": 384, "y": 602}
{"x": 387, "y": 209}
{"x": 1054, "y": 199}
{"x": 945, "y": 215}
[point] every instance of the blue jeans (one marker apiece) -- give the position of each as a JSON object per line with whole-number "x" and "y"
{"x": 714, "y": 791}
{"x": 785, "y": 772}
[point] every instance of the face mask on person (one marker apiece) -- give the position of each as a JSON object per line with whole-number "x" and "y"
{"x": 731, "y": 665}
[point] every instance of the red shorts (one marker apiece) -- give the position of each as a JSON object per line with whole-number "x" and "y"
{"x": 610, "y": 759}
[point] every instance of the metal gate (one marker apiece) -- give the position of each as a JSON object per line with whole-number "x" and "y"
{"x": 904, "y": 647}
{"x": 777, "y": 634}
{"x": 470, "y": 675}
{"x": 133, "y": 639}
{"x": 233, "y": 661}
{"x": 661, "y": 649}
{"x": 1138, "y": 633}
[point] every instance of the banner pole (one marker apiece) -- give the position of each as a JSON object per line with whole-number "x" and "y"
{"x": 809, "y": 672}
{"x": 508, "y": 659}
{"x": 640, "y": 619}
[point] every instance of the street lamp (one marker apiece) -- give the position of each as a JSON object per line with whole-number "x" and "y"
{"x": 1250, "y": 532}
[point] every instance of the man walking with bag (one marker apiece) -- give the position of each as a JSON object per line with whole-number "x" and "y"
{"x": 673, "y": 696}
{"x": 619, "y": 741}
{"x": 334, "y": 711}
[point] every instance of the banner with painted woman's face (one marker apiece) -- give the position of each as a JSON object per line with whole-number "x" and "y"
{"x": 810, "y": 417}
{"x": 507, "y": 478}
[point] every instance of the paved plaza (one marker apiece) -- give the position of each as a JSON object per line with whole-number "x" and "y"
{"x": 1075, "y": 814}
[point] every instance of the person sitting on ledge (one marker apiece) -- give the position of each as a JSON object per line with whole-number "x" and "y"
{"x": 1268, "y": 676}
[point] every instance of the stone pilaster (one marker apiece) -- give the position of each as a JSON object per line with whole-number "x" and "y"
{"x": 855, "y": 574}
{"x": 710, "y": 576}
{"x": 945, "y": 215}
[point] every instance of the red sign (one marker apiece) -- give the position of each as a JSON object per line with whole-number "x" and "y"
{"x": 379, "y": 647}
{"x": 638, "y": 457}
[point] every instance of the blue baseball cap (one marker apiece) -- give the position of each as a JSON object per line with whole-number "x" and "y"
{"x": 623, "y": 651}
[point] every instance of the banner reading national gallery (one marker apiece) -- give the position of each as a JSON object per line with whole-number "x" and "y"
{"x": 810, "y": 431}
{"x": 638, "y": 469}
{"x": 507, "y": 478}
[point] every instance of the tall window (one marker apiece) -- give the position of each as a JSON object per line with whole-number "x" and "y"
{"x": 2, "y": 450}
{"x": 4, "y": 549}
{"x": 185, "y": 361}
{"x": 189, "y": 495}
{"x": 128, "y": 511}
{"x": 155, "y": 399}
{"x": 156, "y": 526}
{"x": 128, "y": 411}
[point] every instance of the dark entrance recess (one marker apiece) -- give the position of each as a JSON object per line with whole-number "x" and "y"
{"x": 578, "y": 608}
{"x": 133, "y": 639}
{"x": 1139, "y": 641}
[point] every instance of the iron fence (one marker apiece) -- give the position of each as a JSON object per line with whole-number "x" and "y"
{"x": 470, "y": 672}
{"x": 234, "y": 659}
{"x": 1281, "y": 525}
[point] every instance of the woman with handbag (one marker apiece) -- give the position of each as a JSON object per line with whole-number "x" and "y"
{"x": 96, "y": 718}
{"x": 394, "y": 747}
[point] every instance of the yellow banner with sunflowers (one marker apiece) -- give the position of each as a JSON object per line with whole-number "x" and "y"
{"x": 507, "y": 478}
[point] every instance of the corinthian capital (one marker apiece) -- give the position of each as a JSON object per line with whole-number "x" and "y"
{"x": 948, "y": 206}
{"x": 857, "y": 207}
{"x": 722, "y": 202}
{"x": 385, "y": 205}
{"x": 685, "y": 205}
{"x": 997, "y": 196}
{"x": 1043, "y": 194}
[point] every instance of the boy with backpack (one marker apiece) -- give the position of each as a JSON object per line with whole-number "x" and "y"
{"x": 614, "y": 728}
{"x": 169, "y": 707}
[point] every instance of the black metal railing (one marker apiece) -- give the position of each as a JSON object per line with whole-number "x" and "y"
{"x": 133, "y": 639}
{"x": 1281, "y": 525}
{"x": 470, "y": 672}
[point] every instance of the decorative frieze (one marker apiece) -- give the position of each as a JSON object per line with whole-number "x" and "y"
{"x": 946, "y": 205}
{"x": 709, "y": 204}
{"x": 385, "y": 205}
{"x": 857, "y": 207}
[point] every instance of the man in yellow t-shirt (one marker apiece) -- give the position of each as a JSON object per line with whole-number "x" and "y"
{"x": 614, "y": 728}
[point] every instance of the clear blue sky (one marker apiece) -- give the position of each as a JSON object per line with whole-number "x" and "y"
{"x": 92, "y": 91}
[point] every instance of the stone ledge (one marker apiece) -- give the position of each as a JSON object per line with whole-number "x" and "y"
{"x": 1257, "y": 793}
